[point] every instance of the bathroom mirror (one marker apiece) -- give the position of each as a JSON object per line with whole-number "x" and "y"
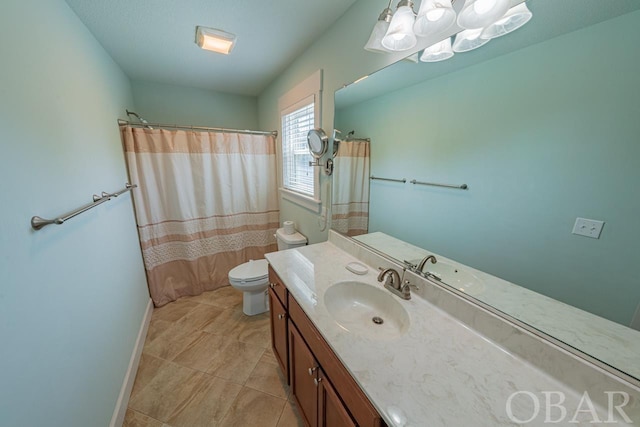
{"x": 318, "y": 142}
{"x": 542, "y": 126}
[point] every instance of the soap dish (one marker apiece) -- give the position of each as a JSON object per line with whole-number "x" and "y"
{"x": 357, "y": 268}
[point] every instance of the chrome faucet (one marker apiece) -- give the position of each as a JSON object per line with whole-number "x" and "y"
{"x": 393, "y": 283}
{"x": 421, "y": 264}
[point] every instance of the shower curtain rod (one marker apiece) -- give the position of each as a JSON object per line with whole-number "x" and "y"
{"x": 201, "y": 128}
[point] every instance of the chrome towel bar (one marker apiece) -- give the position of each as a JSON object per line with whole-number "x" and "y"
{"x": 459, "y": 187}
{"x": 388, "y": 179}
{"x": 37, "y": 223}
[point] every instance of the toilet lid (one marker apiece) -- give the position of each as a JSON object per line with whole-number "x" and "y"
{"x": 249, "y": 271}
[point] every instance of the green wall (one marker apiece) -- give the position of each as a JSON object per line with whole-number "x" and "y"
{"x": 541, "y": 136}
{"x": 164, "y": 103}
{"x": 72, "y": 297}
{"x": 339, "y": 53}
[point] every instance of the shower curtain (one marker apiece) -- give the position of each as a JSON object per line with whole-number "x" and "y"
{"x": 205, "y": 202}
{"x": 350, "y": 210}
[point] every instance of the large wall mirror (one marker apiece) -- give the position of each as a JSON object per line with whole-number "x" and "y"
{"x": 543, "y": 126}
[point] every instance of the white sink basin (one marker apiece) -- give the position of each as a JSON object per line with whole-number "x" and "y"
{"x": 456, "y": 277}
{"x": 358, "y": 308}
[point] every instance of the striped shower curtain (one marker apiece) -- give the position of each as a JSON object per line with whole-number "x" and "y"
{"x": 205, "y": 203}
{"x": 350, "y": 209}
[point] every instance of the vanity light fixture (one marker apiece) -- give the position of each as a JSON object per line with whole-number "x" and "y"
{"x": 482, "y": 21}
{"x": 468, "y": 40}
{"x": 515, "y": 18}
{"x": 400, "y": 35}
{"x": 438, "y": 52}
{"x": 434, "y": 16}
{"x": 379, "y": 30}
{"x": 481, "y": 13}
{"x": 215, "y": 40}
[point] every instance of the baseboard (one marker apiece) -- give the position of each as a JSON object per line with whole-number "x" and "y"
{"x": 125, "y": 392}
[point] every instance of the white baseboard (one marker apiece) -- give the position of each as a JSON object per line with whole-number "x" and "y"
{"x": 125, "y": 392}
{"x": 635, "y": 322}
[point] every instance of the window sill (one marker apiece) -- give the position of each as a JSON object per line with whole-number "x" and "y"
{"x": 306, "y": 202}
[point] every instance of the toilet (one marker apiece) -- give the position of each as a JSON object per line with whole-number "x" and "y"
{"x": 252, "y": 278}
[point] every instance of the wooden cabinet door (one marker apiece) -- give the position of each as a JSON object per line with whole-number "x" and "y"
{"x": 304, "y": 377}
{"x": 279, "y": 341}
{"x": 331, "y": 410}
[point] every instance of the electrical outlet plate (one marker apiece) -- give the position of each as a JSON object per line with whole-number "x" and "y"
{"x": 588, "y": 227}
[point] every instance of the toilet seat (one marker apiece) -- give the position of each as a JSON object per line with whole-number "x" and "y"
{"x": 250, "y": 272}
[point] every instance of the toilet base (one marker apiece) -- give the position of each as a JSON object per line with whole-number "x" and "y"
{"x": 254, "y": 303}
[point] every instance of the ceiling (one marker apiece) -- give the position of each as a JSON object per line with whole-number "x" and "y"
{"x": 153, "y": 40}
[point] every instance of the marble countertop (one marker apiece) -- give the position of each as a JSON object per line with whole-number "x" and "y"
{"x": 614, "y": 344}
{"x": 439, "y": 373}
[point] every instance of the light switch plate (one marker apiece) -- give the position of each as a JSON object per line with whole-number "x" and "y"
{"x": 588, "y": 227}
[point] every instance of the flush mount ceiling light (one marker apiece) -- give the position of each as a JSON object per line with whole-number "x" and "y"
{"x": 482, "y": 20}
{"x": 215, "y": 40}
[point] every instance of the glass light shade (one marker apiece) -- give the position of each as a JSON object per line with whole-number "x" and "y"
{"x": 215, "y": 40}
{"x": 468, "y": 40}
{"x": 434, "y": 16}
{"x": 438, "y": 52}
{"x": 515, "y": 18}
{"x": 412, "y": 58}
{"x": 375, "y": 40}
{"x": 481, "y": 13}
{"x": 400, "y": 35}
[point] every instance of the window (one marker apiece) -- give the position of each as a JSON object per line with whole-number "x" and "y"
{"x": 299, "y": 113}
{"x": 297, "y": 175}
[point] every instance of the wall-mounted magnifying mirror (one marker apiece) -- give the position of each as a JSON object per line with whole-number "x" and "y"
{"x": 318, "y": 142}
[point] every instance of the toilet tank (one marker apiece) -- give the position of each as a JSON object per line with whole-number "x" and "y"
{"x": 288, "y": 241}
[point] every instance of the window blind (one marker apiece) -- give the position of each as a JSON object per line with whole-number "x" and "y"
{"x": 297, "y": 175}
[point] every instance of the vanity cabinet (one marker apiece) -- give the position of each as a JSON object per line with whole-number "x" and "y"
{"x": 278, "y": 317}
{"x": 326, "y": 394}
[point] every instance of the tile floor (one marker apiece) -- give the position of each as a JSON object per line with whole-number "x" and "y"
{"x": 205, "y": 363}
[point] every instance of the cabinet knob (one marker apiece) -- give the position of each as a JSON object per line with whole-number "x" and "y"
{"x": 317, "y": 381}
{"x": 272, "y": 285}
{"x": 312, "y": 370}
{"x": 282, "y": 316}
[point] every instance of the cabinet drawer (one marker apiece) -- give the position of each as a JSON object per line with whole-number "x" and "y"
{"x": 278, "y": 287}
{"x": 345, "y": 386}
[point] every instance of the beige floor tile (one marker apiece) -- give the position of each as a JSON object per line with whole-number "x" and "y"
{"x": 254, "y": 408}
{"x": 268, "y": 378}
{"x": 268, "y": 356}
{"x": 235, "y": 360}
{"x": 172, "y": 341}
{"x": 228, "y": 323}
{"x": 256, "y": 330}
{"x": 156, "y": 327}
{"x": 147, "y": 369}
{"x": 199, "y": 317}
{"x": 200, "y": 353}
{"x": 136, "y": 419}
{"x": 173, "y": 311}
{"x": 225, "y": 297}
{"x": 208, "y": 406}
{"x": 172, "y": 387}
{"x": 290, "y": 416}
